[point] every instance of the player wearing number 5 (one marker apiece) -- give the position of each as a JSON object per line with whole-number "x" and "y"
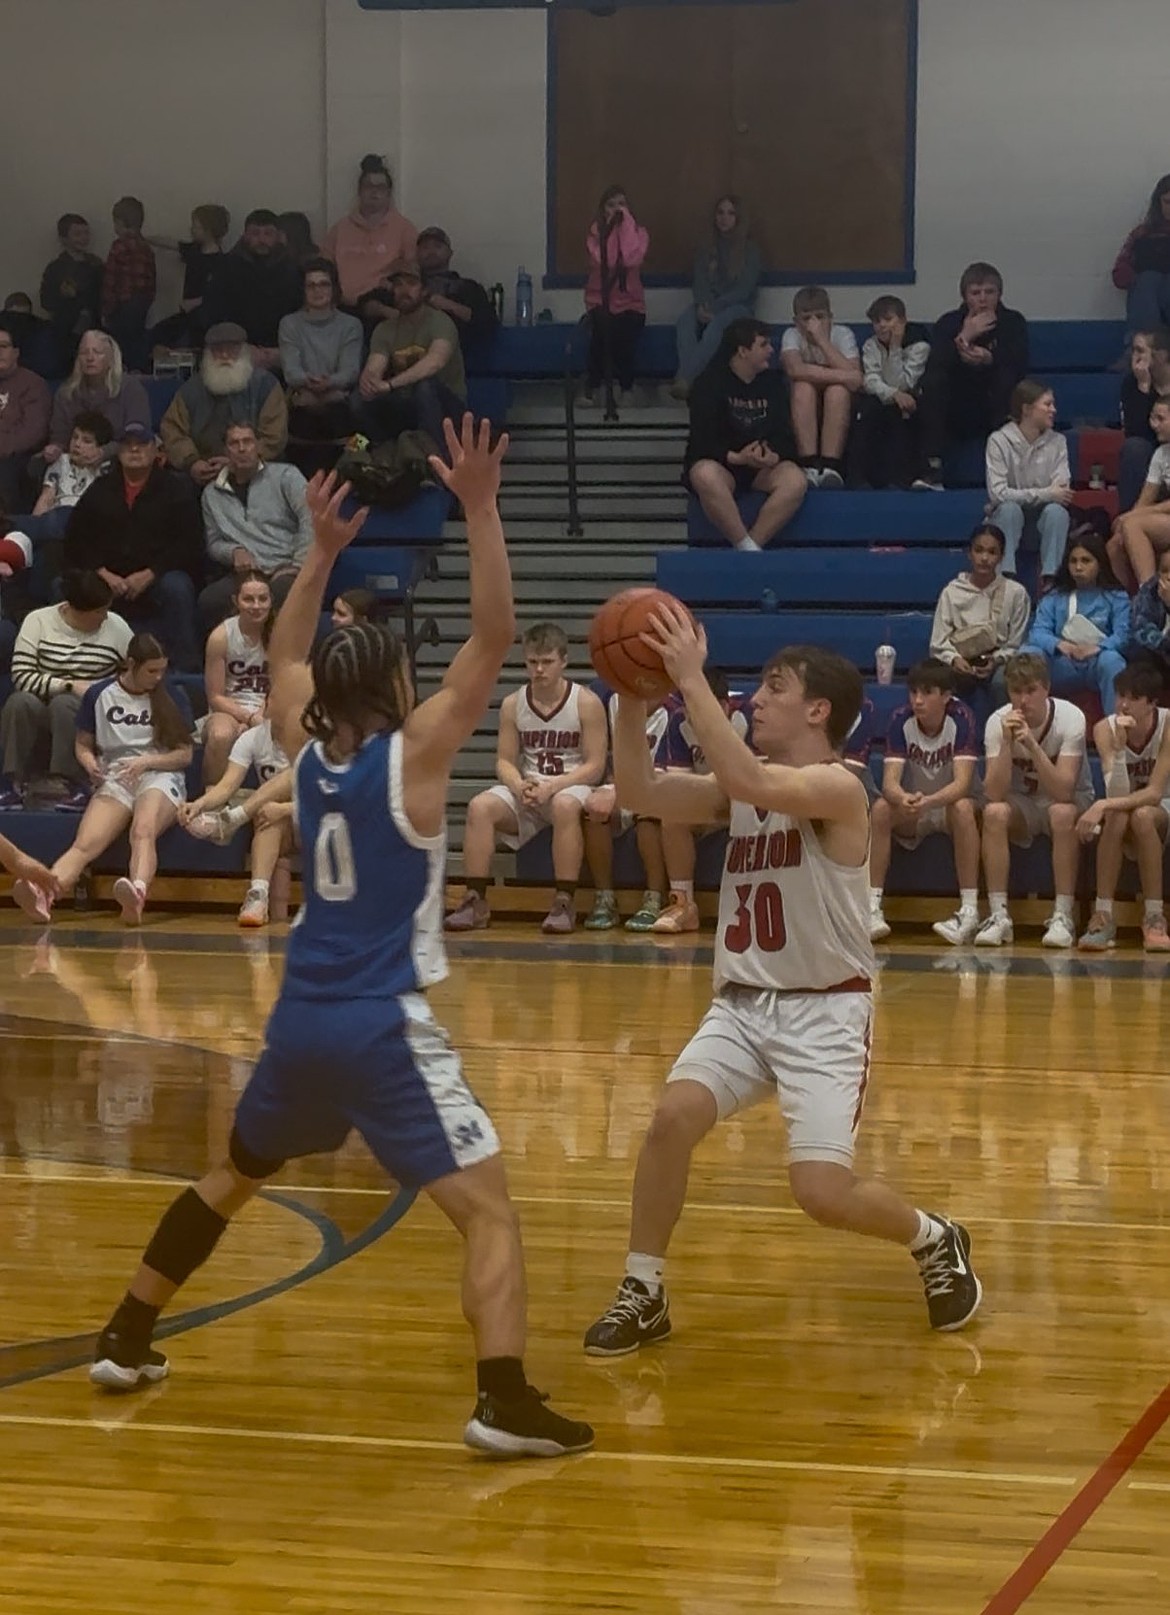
{"x": 792, "y": 1015}
{"x": 352, "y": 1043}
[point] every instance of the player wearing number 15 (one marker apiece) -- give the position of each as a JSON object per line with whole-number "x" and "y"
{"x": 352, "y": 1043}
{"x": 791, "y": 1017}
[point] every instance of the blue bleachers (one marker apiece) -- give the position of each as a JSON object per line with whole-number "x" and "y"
{"x": 860, "y": 518}
{"x": 743, "y": 642}
{"x": 809, "y": 577}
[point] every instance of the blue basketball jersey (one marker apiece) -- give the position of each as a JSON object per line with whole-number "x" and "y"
{"x": 371, "y": 924}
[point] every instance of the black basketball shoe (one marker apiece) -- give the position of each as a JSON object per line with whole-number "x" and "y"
{"x": 635, "y": 1319}
{"x": 123, "y": 1364}
{"x": 953, "y": 1293}
{"x": 524, "y": 1429}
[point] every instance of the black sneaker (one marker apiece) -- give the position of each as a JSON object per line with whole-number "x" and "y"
{"x": 120, "y": 1364}
{"x": 953, "y": 1293}
{"x": 635, "y": 1319}
{"x": 524, "y": 1429}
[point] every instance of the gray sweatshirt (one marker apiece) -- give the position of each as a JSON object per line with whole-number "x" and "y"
{"x": 1005, "y": 606}
{"x": 321, "y": 345}
{"x": 1021, "y": 473}
{"x": 273, "y": 523}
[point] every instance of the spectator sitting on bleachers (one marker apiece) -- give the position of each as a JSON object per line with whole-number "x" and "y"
{"x": 228, "y": 390}
{"x": 320, "y": 357}
{"x": 375, "y": 235}
{"x": 978, "y": 355}
{"x": 255, "y": 750}
{"x": 235, "y": 671}
{"x": 354, "y": 605}
{"x": 34, "y": 337}
{"x": 928, "y": 780}
{"x": 821, "y": 362}
{"x": 258, "y": 285}
{"x": 1144, "y": 532}
{"x": 1029, "y": 484}
{"x": 1149, "y": 621}
{"x": 464, "y": 301}
{"x": 139, "y": 528}
{"x": 97, "y": 383}
{"x": 1132, "y": 818}
{"x": 1147, "y": 381}
{"x": 681, "y": 752}
{"x": 615, "y": 301}
{"x": 414, "y": 376}
{"x": 980, "y": 622}
{"x": 71, "y": 474}
{"x": 256, "y": 519}
{"x": 1082, "y": 625}
{"x": 1142, "y": 269}
{"x": 71, "y": 286}
{"x": 60, "y": 651}
{"x": 24, "y": 420}
{"x": 724, "y": 285}
{"x": 296, "y": 237}
{"x": 605, "y": 821}
{"x": 550, "y": 754}
{"x": 129, "y": 282}
{"x": 886, "y": 434}
{"x": 741, "y": 438}
{"x": 1036, "y": 783}
{"x": 204, "y": 262}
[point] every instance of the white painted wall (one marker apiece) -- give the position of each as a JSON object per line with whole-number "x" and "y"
{"x": 1032, "y": 146}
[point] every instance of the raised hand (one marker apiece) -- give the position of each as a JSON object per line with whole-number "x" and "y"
{"x": 332, "y": 531}
{"x": 473, "y": 475}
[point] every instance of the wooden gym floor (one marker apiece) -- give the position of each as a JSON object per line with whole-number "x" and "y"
{"x": 803, "y": 1444}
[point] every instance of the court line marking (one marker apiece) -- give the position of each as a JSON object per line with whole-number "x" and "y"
{"x": 101, "y": 1177}
{"x": 686, "y": 1460}
{"x": 1073, "y": 1519}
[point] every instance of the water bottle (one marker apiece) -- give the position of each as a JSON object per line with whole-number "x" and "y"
{"x": 1097, "y": 476}
{"x": 523, "y": 297}
{"x": 885, "y": 658}
{"x": 497, "y": 295}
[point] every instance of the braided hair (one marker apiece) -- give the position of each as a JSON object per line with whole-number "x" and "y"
{"x": 358, "y": 674}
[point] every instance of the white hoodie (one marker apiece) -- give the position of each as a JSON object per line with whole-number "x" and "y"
{"x": 1021, "y": 473}
{"x": 962, "y": 604}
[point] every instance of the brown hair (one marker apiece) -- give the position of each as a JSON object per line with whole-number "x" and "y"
{"x": 811, "y": 300}
{"x": 129, "y": 212}
{"x": 544, "y": 637}
{"x": 253, "y": 574}
{"x": 213, "y": 219}
{"x": 980, "y": 274}
{"x": 171, "y": 730}
{"x": 825, "y": 676}
{"x": 1027, "y": 668}
{"x": 1026, "y": 392}
{"x": 735, "y": 244}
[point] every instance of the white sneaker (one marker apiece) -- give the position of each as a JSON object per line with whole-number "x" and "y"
{"x": 960, "y": 929}
{"x": 879, "y": 928}
{"x": 1060, "y": 933}
{"x": 995, "y": 931}
{"x": 812, "y": 476}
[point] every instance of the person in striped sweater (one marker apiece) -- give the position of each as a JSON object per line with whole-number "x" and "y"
{"x": 59, "y": 652}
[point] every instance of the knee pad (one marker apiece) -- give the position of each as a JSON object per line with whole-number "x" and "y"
{"x": 185, "y": 1238}
{"x": 248, "y": 1164}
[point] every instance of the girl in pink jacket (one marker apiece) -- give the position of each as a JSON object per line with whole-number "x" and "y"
{"x": 614, "y": 295}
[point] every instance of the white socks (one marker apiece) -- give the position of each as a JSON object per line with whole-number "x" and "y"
{"x": 969, "y": 899}
{"x": 648, "y": 1270}
{"x": 930, "y": 1231}
{"x": 236, "y": 817}
{"x": 685, "y": 889}
{"x": 259, "y": 886}
{"x": 1104, "y": 905}
{"x": 1064, "y": 906}
{"x": 998, "y": 902}
{"x": 747, "y": 542}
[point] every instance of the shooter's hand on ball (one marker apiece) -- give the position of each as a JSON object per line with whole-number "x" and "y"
{"x": 680, "y": 642}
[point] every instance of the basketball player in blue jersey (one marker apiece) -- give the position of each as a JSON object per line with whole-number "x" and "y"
{"x": 791, "y": 1019}
{"x": 352, "y": 1043}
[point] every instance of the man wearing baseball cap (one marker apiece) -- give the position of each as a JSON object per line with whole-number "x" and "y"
{"x": 465, "y": 301}
{"x": 227, "y": 390}
{"x": 414, "y": 375}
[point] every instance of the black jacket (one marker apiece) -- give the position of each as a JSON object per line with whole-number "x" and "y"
{"x": 727, "y": 414}
{"x": 163, "y": 530}
{"x": 1007, "y": 340}
{"x": 256, "y": 293}
{"x": 71, "y": 292}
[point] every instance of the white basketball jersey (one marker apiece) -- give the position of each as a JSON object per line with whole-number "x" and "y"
{"x": 246, "y": 674}
{"x": 257, "y": 749}
{"x": 790, "y": 918}
{"x": 550, "y": 742}
{"x": 1139, "y": 765}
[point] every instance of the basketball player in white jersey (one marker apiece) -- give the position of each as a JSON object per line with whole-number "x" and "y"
{"x": 1036, "y": 783}
{"x": 235, "y": 672}
{"x": 791, "y": 1018}
{"x": 1133, "y": 817}
{"x": 550, "y": 754}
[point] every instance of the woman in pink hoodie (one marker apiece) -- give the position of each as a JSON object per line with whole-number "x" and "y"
{"x": 375, "y": 235}
{"x": 616, "y": 288}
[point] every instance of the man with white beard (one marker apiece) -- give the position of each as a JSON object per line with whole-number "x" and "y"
{"x": 227, "y": 391}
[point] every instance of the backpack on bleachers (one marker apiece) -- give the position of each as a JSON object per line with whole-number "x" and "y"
{"x": 388, "y": 475}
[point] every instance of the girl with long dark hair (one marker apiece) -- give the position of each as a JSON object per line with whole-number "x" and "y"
{"x": 1142, "y": 269}
{"x": 1082, "y": 625}
{"x": 616, "y": 303}
{"x": 726, "y": 278}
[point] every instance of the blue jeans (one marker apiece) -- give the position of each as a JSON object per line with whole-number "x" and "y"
{"x": 1136, "y": 454}
{"x": 1046, "y": 524}
{"x": 1098, "y": 673}
{"x": 698, "y": 344}
{"x": 419, "y": 407}
{"x": 1148, "y": 304}
{"x": 167, "y": 609}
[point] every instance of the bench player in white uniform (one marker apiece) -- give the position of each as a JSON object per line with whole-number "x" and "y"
{"x": 1133, "y": 817}
{"x": 550, "y": 753}
{"x": 134, "y": 742}
{"x": 352, "y": 1043}
{"x": 792, "y": 1014}
{"x": 1036, "y": 783}
{"x": 605, "y": 821}
{"x": 927, "y": 779}
{"x": 235, "y": 672}
{"x": 210, "y": 818}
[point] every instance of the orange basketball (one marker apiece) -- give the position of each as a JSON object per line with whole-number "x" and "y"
{"x": 620, "y": 656}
